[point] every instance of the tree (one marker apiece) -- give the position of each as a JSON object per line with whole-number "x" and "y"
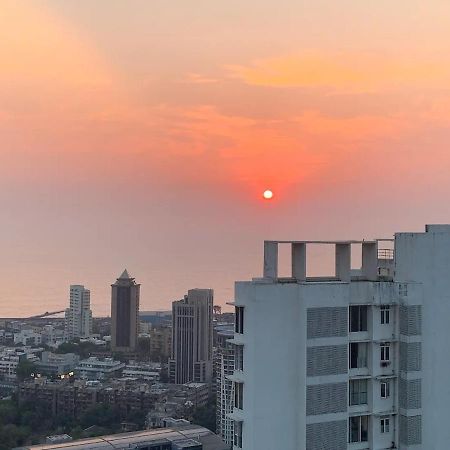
{"x": 205, "y": 416}
{"x": 24, "y": 369}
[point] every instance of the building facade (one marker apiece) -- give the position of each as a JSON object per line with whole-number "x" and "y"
{"x": 356, "y": 360}
{"x": 124, "y": 314}
{"x": 224, "y": 367}
{"x": 192, "y": 326}
{"x": 78, "y": 318}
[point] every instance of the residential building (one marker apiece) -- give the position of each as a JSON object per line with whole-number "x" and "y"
{"x": 187, "y": 437}
{"x": 161, "y": 342}
{"x": 27, "y": 337}
{"x": 224, "y": 367}
{"x": 191, "y": 358}
{"x": 124, "y": 314}
{"x": 94, "y": 368}
{"x": 355, "y": 360}
{"x": 10, "y": 358}
{"x": 78, "y": 316}
{"x": 141, "y": 371}
{"x": 55, "y": 364}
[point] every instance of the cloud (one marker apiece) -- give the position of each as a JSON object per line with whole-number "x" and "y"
{"x": 197, "y": 78}
{"x": 352, "y": 72}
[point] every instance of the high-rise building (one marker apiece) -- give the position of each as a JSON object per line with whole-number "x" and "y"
{"x": 78, "y": 317}
{"x": 356, "y": 360}
{"x": 192, "y": 325}
{"x": 224, "y": 367}
{"x": 124, "y": 314}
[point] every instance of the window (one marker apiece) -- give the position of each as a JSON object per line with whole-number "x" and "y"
{"x": 239, "y": 320}
{"x": 358, "y": 355}
{"x": 358, "y": 428}
{"x": 358, "y": 318}
{"x": 238, "y": 395}
{"x": 384, "y": 352}
{"x": 239, "y": 357}
{"x": 358, "y": 392}
{"x": 238, "y": 434}
{"x": 385, "y": 314}
{"x": 385, "y": 389}
{"x": 384, "y": 425}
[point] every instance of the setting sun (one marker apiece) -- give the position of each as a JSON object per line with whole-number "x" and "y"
{"x": 268, "y": 194}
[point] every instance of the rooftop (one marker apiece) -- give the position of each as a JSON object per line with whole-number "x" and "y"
{"x": 123, "y": 441}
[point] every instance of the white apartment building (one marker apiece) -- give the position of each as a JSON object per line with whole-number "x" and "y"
{"x": 79, "y": 315}
{"x": 357, "y": 360}
{"x": 224, "y": 365}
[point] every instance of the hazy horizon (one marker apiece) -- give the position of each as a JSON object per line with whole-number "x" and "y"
{"x": 141, "y": 135}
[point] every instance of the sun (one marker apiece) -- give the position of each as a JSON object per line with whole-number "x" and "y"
{"x": 268, "y": 194}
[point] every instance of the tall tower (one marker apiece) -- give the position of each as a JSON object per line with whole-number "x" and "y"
{"x": 191, "y": 359}
{"x": 78, "y": 316}
{"x": 124, "y": 313}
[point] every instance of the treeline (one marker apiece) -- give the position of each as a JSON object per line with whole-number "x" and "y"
{"x": 31, "y": 423}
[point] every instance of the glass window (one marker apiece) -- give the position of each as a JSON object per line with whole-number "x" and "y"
{"x": 238, "y": 434}
{"x": 358, "y": 392}
{"x": 358, "y": 318}
{"x": 239, "y": 357}
{"x": 238, "y": 395}
{"x": 385, "y": 314}
{"x": 239, "y": 319}
{"x": 384, "y": 425}
{"x": 385, "y": 351}
{"x": 385, "y": 389}
{"x": 358, "y": 428}
{"x": 358, "y": 355}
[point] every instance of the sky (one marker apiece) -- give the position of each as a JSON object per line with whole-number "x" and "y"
{"x": 141, "y": 134}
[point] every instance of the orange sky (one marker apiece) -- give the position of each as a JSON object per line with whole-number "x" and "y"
{"x": 142, "y": 134}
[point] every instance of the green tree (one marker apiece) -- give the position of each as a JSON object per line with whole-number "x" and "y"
{"x": 24, "y": 369}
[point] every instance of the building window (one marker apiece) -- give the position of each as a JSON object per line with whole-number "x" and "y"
{"x": 358, "y": 429}
{"x": 238, "y": 395}
{"x": 385, "y": 352}
{"x": 237, "y": 434}
{"x": 239, "y": 320}
{"x": 239, "y": 357}
{"x": 358, "y": 392}
{"x": 385, "y": 314}
{"x": 358, "y": 318}
{"x": 384, "y": 425}
{"x": 385, "y": 389}
{"x": 358, "y": 355}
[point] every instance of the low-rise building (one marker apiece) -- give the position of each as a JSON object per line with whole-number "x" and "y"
{"x": 11, "y": 357}
{"x": 99, "y": 369}
{"x": 27, "y": 337}
{"x": 140, "y": 371}
{"x": 54, "y": 364}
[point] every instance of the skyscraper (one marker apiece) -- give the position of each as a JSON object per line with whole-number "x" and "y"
{"x": 192, "y": 317}
{"x": 78, "y": 317}
{"x": 124, "y": 313}
{"x": 358, "y": 359}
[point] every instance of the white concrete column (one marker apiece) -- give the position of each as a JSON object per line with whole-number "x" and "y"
{"x": 299, "y": 261}
{"x": 370, "y": 260}
{"x": 343, "y": 262}
{"x": 270, "y": 259}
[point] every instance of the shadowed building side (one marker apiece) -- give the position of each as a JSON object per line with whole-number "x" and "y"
{"x": 124, "y": 314}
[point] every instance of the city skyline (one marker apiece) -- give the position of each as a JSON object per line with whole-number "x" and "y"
{"x": 141, "y": 134}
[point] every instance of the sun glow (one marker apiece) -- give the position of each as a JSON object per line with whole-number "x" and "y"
{"x": 268, "y": 194}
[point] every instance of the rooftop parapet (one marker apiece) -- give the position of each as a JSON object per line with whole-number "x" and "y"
{"x": 372, "y": 259}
